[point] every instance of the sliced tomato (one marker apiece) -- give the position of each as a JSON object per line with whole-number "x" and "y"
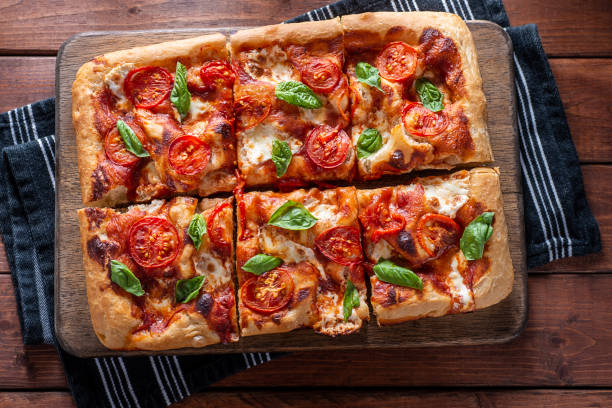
{"x": 217, "y": 73}
{"x": 269, "y": 292}
{"x": 115, "y": 149}
{"x": 390, "y": 223}
{"x": 420, "y": 121}
{"x": 320, "y": 74}
{"x": 154, "y": 242}
{"x": 216, "y": 230}
{"x": 340, "y": 244}
{"x": 250, "y": 111}
{"x": 379, "y": 217}
{"x": 437, "y": 233}
{"x": 147, "y": 86}
{"x": 397, "y": 61}
{"x": 327, "y": 147}
{"x": 188, "y": 155}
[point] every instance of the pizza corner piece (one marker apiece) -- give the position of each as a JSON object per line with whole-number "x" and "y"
{"x": 299, "y": 262}
{"x": 155, "y": 121}
{"x": 159, "y": 276}
{"x": 292, "y": 103}
{"x": 438, "y": 246}
{"x": 416, "y": 93}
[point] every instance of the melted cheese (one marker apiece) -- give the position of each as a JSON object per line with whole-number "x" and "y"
{"x": 199, "y": 106}
{"x": 326, "y": 212}
{"x": 274, "y": 58}
{"x": 216, "y": 272}
{"x": 382, "y": 249}
{"x": 450, "y": 195}
{"x": 114, "y": 81}
{"x": 289, "y": 251}
{"x": 455, "y": 280}
{"x": 257, "y": 143}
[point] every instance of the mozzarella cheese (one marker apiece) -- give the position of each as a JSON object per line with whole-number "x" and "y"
{"x": 215, "y": 270}
{"x": 450, "y": 195}
{"x": 198, "y": 106}
{"x": 114, "y": 81}
{"x": 382, "y": 249}
{"x": 273, "y": 57}
{"x": 257, "y": 143}
{"x": 455, "y": 280}
{"x": 288, "y": 250}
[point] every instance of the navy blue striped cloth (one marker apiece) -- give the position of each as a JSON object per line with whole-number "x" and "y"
{"x": 554, "y": 196}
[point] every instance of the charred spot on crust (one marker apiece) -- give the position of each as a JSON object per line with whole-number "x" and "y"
{"x": 99, "y": 250}
{"x": 397, "y": 160}
{"x": 224, "y": 129}
{"x": 406, "y": 242}
{"x": 276, "y": 318}
{"x": 204, "y": 304}
{"x": 100, "y": 183}
{"x": 391, "y": 295}
{"x": 442, "y": 54}
{"x": 95, "y": 216}
{"x": 302, "y": 294}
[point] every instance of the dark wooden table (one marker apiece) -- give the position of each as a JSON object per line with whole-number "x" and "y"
{"x": 564, "y": 356}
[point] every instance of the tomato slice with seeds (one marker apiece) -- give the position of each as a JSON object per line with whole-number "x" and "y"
{"x": 154, "y": 242}
{"x": 327, "y": 147}
{"x": 216, "y": 230}
{"x": 115, "y": 149}
{"x": 320, "y": 74}
{"x": 188, "y": 155}
{"x": 250, "y": 111}
{"x": 217, "y": 73}
{"x": 269, "y": 292}
{"x": 420, "y": 121}
{"x": 437, "y": 233}
{"x": 397, "y": 61}
{"x": 340, "y": 244}
{"x": 148, "y": 86}
{"x": 390, "y": 224}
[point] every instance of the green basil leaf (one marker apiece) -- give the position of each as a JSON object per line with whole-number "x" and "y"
{"x": 431, "y": 97}
{"x": 368, "y": 74}
{"x": 389, "y": 272}
{"x": 197, "y": 228}
{"x": 122, "y": 276}
{"x": 476, "y": 234}
{"x": 296, "y": 93}
{"x": 188, "y": 289}
{"x": 180, "y": 96}
{"x": 130, "y": 140}
{"x": 292, "y": 216}
{"x": 281, "y": 156}
{"x": 370, "y": 140}
{"x": 262, "y": 263}
{"x": 351, "y": 299}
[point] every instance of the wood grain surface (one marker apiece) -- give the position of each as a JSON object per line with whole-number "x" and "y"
{"x": 498, "y": 323}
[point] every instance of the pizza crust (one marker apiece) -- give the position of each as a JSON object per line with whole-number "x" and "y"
{"x": 90, "y": 80}
{"x": 111, "y": 310}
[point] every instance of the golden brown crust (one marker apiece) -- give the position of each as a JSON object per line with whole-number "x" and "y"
{"x": 112, "y": 309}
{"x": 376, "y": 29}
{"x": 331, "y": 208}
{"x": 393, "y": 304}
{"x": 90, "y": 81}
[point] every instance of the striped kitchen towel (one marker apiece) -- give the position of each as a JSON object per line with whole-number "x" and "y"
{"x": 552, "y": 181}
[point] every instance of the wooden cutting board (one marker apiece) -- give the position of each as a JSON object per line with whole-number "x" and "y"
{"x": 496, "y": 324}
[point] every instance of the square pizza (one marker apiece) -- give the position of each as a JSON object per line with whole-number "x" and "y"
{"x": 155, "y": 121}
{"x": 416, "y": 93}
{"x": 160, "y": 276}
{"x": 438, "y": 245}
{"x": 299, "y": 262}
{"x": 291, "y": 103}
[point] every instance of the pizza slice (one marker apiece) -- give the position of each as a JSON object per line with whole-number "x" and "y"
{"x": 155, "y": 121}
{"x": 416, "y": 93}
{"x": 298, "y": 261}
{"x": 438, "y": 245}
{"x": 291, "y": 103}
{"x": 159, "y": 276}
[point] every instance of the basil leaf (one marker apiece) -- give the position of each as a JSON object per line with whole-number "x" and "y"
{"x": 197, "y": 228}
{"x": 262, "y": 263}
{"x": 431, "y": 97}
{"x": 370, "y": 140}
{"x": 389, "y": 272}
{"x": 188, "y": 289}
{"x": 292, "y": 216}
{"x": 368, "y": 74}
{"x": 476, "y": 234}
{"x": 351, "y": 299}
{"x": 122, "y": 276}
{"x": 296, "y": 93}
{"x": 180, "y": 96}
{"x": 130, "y": 140}
{"x": 281, "y": 156}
